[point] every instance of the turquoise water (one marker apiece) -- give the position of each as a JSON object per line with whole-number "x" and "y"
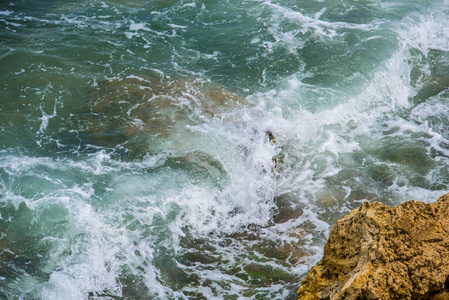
{"x": 203, "y": 149}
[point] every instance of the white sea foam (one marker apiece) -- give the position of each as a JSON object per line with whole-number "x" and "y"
{"x": 95, "y": 244}
{"x": 219, "y": 181}
{"x": 5, "y": 13}
{"x": 318, "y": 141}
{"x": 45, "y": 118}
{"x": 321, "y": 28}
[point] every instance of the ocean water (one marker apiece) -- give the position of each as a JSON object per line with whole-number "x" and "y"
{"x": 202, "y": 149}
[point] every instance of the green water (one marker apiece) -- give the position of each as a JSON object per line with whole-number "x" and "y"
{"x": 202, "y": 149}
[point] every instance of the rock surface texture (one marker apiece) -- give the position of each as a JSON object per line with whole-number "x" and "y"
{"x": 382, "y": 252}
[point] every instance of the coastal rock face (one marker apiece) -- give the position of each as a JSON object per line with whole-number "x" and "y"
{"x": 382, "y": 252}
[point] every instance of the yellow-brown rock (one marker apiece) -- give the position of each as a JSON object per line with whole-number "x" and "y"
{"x": 382, "y": 252}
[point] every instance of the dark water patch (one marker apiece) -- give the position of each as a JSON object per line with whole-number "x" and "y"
{"x": 173, "y": 275}
{"x": 286, "y": 208}
{"x": 412, "y": 154}
{"x": 29, "y": 241}
{"x": 383, "y": 174}
{"x": 429, "y": 73}
{"x": 133, "y": 286}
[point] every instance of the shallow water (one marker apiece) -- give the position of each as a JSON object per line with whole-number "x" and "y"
{"x": 203, "y": 149}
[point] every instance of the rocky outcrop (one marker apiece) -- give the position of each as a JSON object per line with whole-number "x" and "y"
{"x": 382, "y": 252}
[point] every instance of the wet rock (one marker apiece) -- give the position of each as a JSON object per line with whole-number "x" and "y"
{"x": 382, "y": 252}
{"x": 264, "y": 274}
{"x": 142, "y": 104}
{"x": 134, "y": 112}
{"x": 285, "y": 253}
{"x": 263, "y": 262}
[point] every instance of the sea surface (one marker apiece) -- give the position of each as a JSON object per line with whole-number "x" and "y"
{"x": 202, "y": 149}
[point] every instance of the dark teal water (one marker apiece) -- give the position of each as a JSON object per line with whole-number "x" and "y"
{"x": 202, "y": 149}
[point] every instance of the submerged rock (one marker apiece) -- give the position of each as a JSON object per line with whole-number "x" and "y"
{"x": 142, "y": 104}
{"x": 134, "y": 112}
{"x": 382, "y": 252}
